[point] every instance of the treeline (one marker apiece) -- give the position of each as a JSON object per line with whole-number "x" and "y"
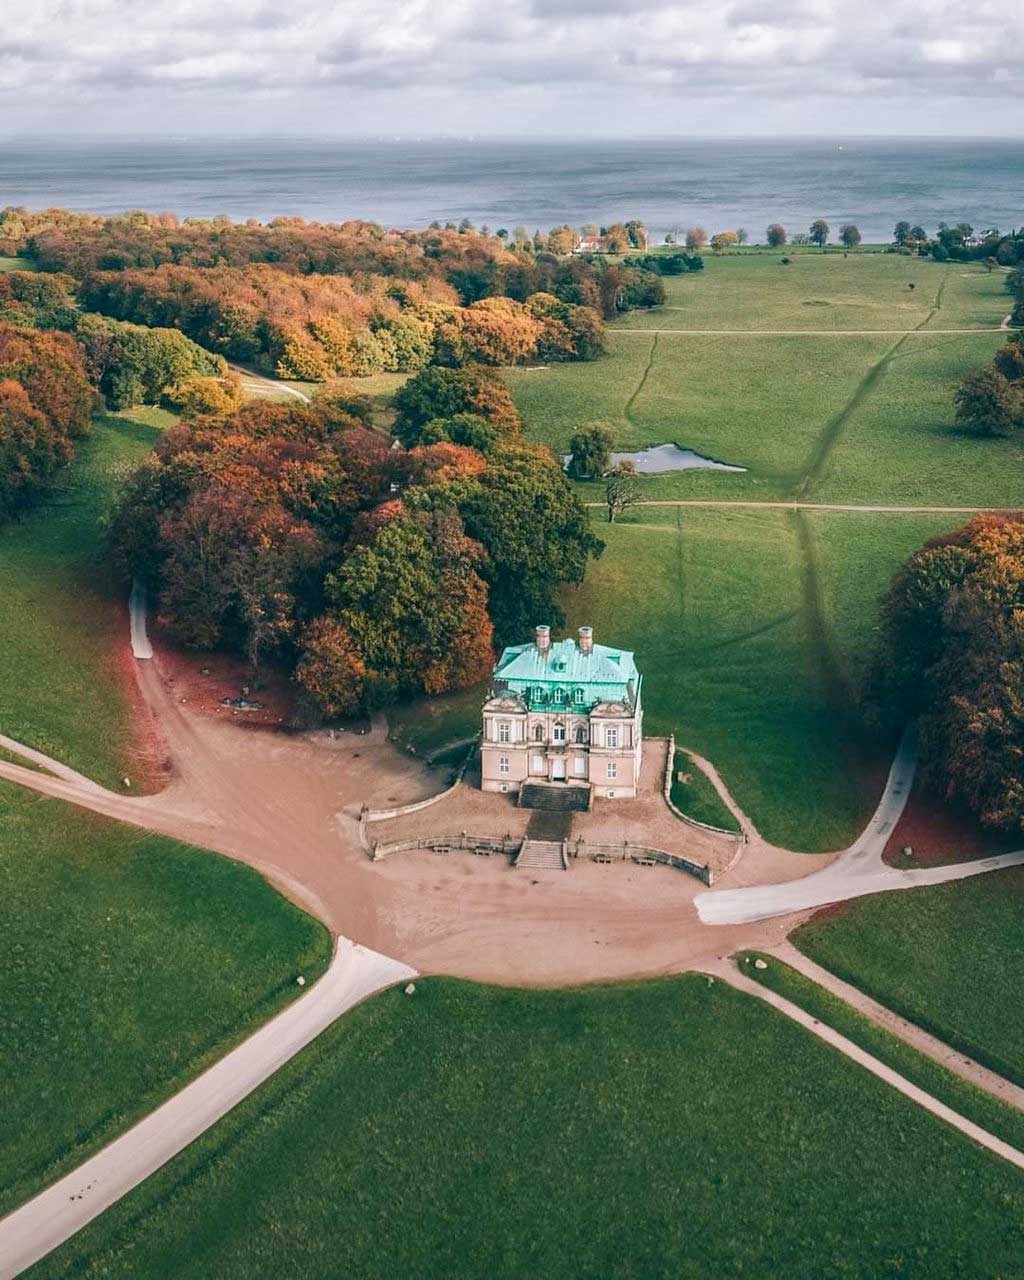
{"x": 959, "y": 242}
{"x": 475, "y": 264}
{"x": 952, "y": 654}
{"x": 45, "y": 401}
{"x": 315, "y": 327}
{"x": 372, "y": 571}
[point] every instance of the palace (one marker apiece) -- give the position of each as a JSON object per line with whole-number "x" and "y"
{"x": 563, "y": 714}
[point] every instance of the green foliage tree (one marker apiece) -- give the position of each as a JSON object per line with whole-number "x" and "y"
{"x": 589, "y": 453}
{"x": 989, "y": 404}
{"x": 849, "y": 235}
{"x": 819, "y": 232}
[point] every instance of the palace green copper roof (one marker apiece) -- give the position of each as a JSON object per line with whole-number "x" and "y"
{"x": 602, "y": 675}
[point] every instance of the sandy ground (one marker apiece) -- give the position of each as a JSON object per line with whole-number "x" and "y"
{"x": 289, "y": 806}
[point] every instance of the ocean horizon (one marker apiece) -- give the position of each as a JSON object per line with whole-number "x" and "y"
{"x": 671, "y": 184}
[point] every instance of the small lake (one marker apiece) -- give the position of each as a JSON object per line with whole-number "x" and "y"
{"x": 666, "y": 457}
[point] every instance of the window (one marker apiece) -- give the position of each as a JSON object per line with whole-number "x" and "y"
{"x": 538, "y": 733}
{"x": 613, "y": 770}
{"x": 503, "y": 764}
{"x": 537, "y": 765}
{"x": 559, "y": 695}
{"x": 611, "y": 736}
{"x": 558, "y": 733}
{"x": 577, "y": 695}
{"x": 581, "y": 734}
{"x": 504, "y": 731}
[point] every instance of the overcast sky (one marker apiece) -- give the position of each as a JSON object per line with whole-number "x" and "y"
{"x": 550, "y": 68}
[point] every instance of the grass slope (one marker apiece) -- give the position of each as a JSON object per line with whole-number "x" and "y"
{"x": 947, "y": 957}
{"x": 61, "y": 635}
{"x": 130, "y": 962}
{"x": 674, "y": 1129}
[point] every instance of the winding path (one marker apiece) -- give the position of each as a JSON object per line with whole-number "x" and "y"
{"x": 65, "y": 1207}
{"x": 859, "y": 870}
{"x": 800, "y": 333}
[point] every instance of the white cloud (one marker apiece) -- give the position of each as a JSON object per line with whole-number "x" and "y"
{"x": 426, "y": 65}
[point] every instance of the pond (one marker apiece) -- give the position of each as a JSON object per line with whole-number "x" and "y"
{"x": 666, "y": 457}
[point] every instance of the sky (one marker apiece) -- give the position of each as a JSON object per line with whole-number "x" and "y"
{"x": 529, "y": 68}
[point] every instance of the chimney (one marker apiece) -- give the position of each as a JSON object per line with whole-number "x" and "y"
{"x": 586, "y": 640}
{"x": 543, "y": 639}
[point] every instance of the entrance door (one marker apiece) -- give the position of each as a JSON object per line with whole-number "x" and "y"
{"x": 558, "y": 769}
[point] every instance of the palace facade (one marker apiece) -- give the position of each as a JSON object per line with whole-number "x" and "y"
{"x": 562, "y": 714}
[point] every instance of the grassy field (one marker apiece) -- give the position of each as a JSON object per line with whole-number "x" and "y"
{"x": 997, "y": 1117}
{"x": 671, "y": 1129}
{"x": 946, "y": 957}
{"x": 842, "y": 418}
{"x": 17, "y": 264}
{"x": 816, "y": 291}
{"x": 697, "y": 797}
{"x": 130, "y": 962}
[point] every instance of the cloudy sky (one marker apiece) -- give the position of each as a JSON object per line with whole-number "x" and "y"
{"x": 413, "y": 68}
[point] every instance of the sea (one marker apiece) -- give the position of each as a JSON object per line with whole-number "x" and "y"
{"x": 720, "y": 184}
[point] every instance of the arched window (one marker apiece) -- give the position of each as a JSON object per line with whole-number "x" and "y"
{"x": 538, "y": 733}
{"x": 581, "y": 734}
{"x": 558, "y": 733}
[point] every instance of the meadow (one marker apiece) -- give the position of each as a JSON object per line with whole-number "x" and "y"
{"x": 674, "y": 1128}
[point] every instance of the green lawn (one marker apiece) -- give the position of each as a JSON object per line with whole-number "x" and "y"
{"x": 697, "y": 797}
{"x": 130, "y": 962}
{"x": 946, "y": 956}
{"x": 997, "y": 1117}
{"x": 671, "y": 1129}
{"x": 17, "y": 264}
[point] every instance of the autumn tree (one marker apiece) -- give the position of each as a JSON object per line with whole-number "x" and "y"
{"x": 951, "y": 653}
{"x": 696, "y": 238}
{"x": 722, "y": 240}
{"x": 776, "y": 235}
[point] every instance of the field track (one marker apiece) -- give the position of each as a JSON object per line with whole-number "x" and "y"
{"x": 870, "y": 508}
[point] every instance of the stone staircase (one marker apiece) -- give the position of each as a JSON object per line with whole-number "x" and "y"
{"x": 542, "y": 855}
{"x": 558, "y": 799}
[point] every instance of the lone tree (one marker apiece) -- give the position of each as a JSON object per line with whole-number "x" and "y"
{"x": 901, "y": 233}
{"x": 990, "y": 404}
{"x": 723, "y": 240}
{"x": 622, "y": 490}
{"x": 850, "y": 235}
{"x": 696, "y": 238}
{"x": 776, "y": 235}
{"x": 589, "y": 452}
{"x": 819, "y": 232}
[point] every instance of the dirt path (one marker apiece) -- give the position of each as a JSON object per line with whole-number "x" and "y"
{"x": 728, "y": 972}
{"x": 799, "y": 333}
{"x": 923, "y": 1041}
{"x": 799, "y": 505}
{"x": 258, "y": 383}
{"x": 66, "y": 1206}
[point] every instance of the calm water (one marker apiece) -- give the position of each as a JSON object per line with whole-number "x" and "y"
{"x": 671, "y": 185}
{"x": 658, "y": 458}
